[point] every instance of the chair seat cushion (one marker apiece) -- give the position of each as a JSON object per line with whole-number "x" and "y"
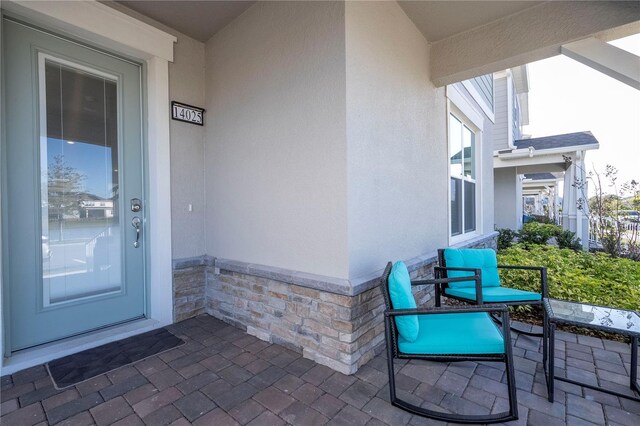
{"x": 464, "y": 333}
{"x": 483, "y": 259}
{"x": 495, "y": 294}
{"x": 402, "y": 298}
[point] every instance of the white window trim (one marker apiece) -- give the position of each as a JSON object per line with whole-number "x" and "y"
{"x": 459, "y": 105}
{"x": 115, "y": 31}
{"x": 464, "y": 106}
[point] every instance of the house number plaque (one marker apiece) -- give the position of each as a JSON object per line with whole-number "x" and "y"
{"x": 187, "y": 113}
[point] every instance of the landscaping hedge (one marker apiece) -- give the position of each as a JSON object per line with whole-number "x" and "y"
{"x": 575, "y": 275}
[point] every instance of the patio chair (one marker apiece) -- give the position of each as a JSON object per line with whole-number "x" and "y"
{"x": 485, "y": 286}
{"x": 457, "y": 333}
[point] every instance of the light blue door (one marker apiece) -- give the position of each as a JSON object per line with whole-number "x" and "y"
{"x": 72, "y": 219}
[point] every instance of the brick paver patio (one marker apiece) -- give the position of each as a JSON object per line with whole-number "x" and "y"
{"x": 222, "y": 376}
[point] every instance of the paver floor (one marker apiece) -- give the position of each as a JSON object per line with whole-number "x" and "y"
{"x": 223, "y": 376}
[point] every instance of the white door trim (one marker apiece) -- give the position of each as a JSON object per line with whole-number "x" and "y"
{"x": 108, "y": 28}
{"x": 100, "y": 25}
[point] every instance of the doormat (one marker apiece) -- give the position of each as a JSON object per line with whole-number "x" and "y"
{"x": 76, "y": 368}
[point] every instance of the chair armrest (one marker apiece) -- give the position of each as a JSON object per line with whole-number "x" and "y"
{"x": 477, "y": 277}
{"x": 448, "y": 310}
{"x": 543, "y": 275}
{"x": 452, "y": 268}
{"x": 435, "y": 281}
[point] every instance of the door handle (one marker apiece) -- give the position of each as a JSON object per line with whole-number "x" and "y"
{"x": 136, "y": 223}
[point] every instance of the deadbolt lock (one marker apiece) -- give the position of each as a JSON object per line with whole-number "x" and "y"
{"x": 136, "y": 205}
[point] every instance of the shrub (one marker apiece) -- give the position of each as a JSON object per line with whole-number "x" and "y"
{"x": 542, "y": 219}
{"x": 538, "y": 233}
{"x": 567, "y": 239}
{"x": 575, "y": 275}
{"x": 505, "y": 238}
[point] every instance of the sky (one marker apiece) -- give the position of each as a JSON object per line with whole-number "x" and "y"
{"x": 92, "y": 161}
{"x": 566, "y": 96}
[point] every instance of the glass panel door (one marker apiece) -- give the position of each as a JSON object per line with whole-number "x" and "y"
{"x": 74, "y": 167}
{"x": 81, "y": 254}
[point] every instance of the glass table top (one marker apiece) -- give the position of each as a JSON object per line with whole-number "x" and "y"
{"x": 616, "y": 320}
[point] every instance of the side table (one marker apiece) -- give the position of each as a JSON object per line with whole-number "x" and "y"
{"x": 602, "y": 318}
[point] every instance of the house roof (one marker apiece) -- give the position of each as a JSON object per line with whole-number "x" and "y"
{"x": 458, "y": 155}
{"x": 558, "y": 141}
{"x": 86, "y": 196}
{"x": 539, "y": 176}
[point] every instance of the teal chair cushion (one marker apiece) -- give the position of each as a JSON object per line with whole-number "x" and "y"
{"x": 464, "y": 333}
{"x": 484, "y": 259}
{"x": 402, "y": 298}
{"x": 495, "y": 294}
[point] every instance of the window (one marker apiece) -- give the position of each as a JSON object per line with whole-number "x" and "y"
{"x": 462, "y": 168}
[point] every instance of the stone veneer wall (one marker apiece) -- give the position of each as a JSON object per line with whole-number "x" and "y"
{"x": 337, "y": 330}
{"x": 334, "y": 324}
{"x": 189, "y": 281}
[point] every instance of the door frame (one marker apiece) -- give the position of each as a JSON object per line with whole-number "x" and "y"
{"x": 106, "y": 28}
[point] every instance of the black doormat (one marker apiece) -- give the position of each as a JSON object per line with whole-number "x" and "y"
{"x": 76, "y": 368}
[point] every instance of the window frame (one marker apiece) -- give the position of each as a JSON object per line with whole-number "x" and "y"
{"x": 459, "y": 106}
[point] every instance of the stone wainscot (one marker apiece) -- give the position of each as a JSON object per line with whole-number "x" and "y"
{"x": 338, "y": 323}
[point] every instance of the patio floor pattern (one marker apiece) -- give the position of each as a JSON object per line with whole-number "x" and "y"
{"x": 223, "y": 376}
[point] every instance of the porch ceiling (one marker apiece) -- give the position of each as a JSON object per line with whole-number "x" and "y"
{"x": 197, "y": 19}
{"x": 435, "y": 19}
{"x": 438, "y": 20}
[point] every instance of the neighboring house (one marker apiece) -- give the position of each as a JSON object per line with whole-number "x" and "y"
{"x": 540, "y": 195}
{"x": 559, "y": 154}
{"x": 95, "y": 207}
{"x": 512, "y": 106}
{"x": 337, "y": 136}
{"x": 511, "y": 114}
{"x": 527, "y": 170}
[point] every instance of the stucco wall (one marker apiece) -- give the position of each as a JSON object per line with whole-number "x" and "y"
{"x": 186, "y": 84}
{"x": 507, "y": 203}
{"x": 396, "y": 132}
{"x": 275, "y": 150}
{"x": 319, "y": 116}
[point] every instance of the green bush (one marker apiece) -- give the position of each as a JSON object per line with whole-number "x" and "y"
{"x": 575, "y": 275}
{"x": 538, "y": 233}
{"x": 541, "y": 219}
{"x": 505, "y": 238}
{"x": 567, "y": 239}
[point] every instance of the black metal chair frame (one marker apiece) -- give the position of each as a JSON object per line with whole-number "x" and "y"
{"x": 393, "y": 352}
{"x": 441, "y": 272}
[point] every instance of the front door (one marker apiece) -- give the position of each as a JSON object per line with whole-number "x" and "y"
{"x": 72, "y": 201}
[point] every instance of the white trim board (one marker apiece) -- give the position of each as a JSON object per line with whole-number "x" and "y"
{"x": 58, "y": 349}
{"x": 467, "y": 108}
{"x": 97, "y": 24}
